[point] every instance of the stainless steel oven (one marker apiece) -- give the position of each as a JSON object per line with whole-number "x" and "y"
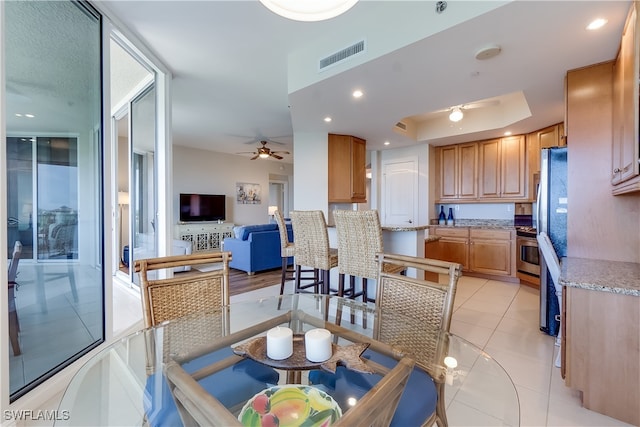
{"x": 528, "y": 261}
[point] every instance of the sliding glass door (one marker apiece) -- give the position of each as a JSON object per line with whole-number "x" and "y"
{"x": 55, "y": 185}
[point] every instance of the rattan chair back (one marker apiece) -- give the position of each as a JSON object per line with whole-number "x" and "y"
{"x": 184, "y": 293}
{"x": 359, "y": 240}
{"x": 429, "y": 304}
{"x": 312, "y": 240}
{"x": 287, "y": 248}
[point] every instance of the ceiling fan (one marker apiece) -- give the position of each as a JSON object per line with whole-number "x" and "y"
{"x": 456, "y": 112}
{"x": 264, "y": 152}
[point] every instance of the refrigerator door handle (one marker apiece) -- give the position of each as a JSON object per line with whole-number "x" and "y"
{"x": 537, "y": 218}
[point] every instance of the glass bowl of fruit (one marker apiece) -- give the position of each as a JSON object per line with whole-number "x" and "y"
{"x": 290, "y": 406}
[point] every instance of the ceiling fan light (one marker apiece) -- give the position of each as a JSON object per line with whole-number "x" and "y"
{"x": 308, "y": 10}
{"x": 456, "y": 115}
{"x": 263, "y": 155}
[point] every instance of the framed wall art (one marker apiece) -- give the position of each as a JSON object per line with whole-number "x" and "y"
{"x": 248, "y": 194}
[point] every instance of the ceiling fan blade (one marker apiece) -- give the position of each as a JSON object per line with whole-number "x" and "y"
{"x": 254, "y": 157}
{"x": 275, "y": 156}
{"x": 480, "y": 104}
{"x": 247, "y": 152}
{"x": 280, "y": 152}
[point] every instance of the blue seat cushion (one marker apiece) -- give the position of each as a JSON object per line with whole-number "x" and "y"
{"x": 231, "y": 386}
{"x": 417, "y": 403}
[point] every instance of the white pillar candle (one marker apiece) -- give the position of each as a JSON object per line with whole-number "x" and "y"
{"x": 279, "y": 343}
{"x": 317, "y": 345}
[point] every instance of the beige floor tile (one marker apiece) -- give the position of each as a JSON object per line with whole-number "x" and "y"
{"x": 471, "y": 332}
{"x": 533, "y": 407}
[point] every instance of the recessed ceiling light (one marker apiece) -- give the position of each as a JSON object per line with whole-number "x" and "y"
{"x": 327, "y": 119}
{"x": 357, "y": 93}
{"x": 507, "y": 133}
{"x": 31, "y": 116}
{"x": 18, "y": 115}
{"x": 387, "y": 143}
{"x": 597, "y": 23}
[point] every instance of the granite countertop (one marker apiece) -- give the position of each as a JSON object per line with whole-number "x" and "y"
{"x": 601, "y": 275}
{"x": 430, "y": 238}
{"x": 404, "y": 227}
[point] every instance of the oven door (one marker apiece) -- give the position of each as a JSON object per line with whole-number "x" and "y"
{"x": 528, "y": 256}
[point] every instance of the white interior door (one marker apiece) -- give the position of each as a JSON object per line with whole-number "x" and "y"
{"x": 399, "y": 187}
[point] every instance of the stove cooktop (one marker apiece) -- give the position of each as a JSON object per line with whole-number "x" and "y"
{"x": 526, "y": 231}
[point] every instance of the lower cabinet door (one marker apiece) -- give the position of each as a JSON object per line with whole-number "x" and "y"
{"x": 490, "y": 256}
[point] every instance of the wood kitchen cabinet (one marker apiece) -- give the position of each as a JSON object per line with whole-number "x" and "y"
{"x": 551, "y": 136}
{"x": 485, "y": 171}
{"x": 601, "y": 335}
{"x": 457, "y": 172}
{"x": 625, "y": 168}
{"x": 453, "y": 245}
{"x": 479, "y": 250}
{"x": 491, "y": 251}
{"x": 502, "y": 168}
{"x": 347, "y": 169}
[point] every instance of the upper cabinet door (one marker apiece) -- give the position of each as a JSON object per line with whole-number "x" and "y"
{"x": 489, "y": 157}
{"x": 468, "y": 171}
{"x": 513, "y": 167}
{"x": 625, "y": 168}
{"x": 347, "y": 169}
{"x": 447, "y": 158}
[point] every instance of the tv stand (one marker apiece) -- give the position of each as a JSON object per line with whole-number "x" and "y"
{"x": 204, "y": 236}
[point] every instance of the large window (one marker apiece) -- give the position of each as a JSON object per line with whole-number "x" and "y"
{"x": 54, "y": 185}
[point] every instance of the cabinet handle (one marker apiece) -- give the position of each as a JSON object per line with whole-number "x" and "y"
{"x": 617, "y": 170}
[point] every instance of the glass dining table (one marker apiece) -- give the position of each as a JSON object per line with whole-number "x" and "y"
{"x": 138, "y": 379}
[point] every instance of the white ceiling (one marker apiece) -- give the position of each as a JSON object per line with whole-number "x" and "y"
{"x": 242, "y": 74}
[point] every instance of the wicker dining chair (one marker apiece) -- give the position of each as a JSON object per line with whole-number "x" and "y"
{"x": 190, "y": 293}
{"x": 359, "y": 240}
{"x": 428, "y": 306}
{"x": 312, "y": 248}
{"x": 288, "y": 250}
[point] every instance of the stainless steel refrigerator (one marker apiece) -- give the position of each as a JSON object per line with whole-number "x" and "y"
{"x": 552, "y": 219}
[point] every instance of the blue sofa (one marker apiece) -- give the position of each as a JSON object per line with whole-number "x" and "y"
{"x": 256, "y": 247}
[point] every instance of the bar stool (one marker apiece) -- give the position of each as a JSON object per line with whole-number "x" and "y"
{"x": 312, "y": 247}
{"x": 287, "y": 250}
{"x": 359, "y": 240}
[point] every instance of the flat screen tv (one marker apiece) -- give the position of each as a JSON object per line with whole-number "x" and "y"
{"x": 202, "y": 207}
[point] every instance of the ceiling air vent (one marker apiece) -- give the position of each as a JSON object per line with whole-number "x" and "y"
{"x": 401, "y": 126}
{"x": 341, "y": 55}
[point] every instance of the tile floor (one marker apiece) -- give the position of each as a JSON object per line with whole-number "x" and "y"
{"x": 502, "y": 319}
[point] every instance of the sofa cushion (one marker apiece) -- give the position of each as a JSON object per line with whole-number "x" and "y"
{"x": 243, "y": 231}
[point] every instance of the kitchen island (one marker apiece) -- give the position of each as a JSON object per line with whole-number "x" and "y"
{"x": 601, "y": 336}
{"x": 404, "y": 240}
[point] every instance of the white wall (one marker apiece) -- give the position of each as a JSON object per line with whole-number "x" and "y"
{"x": 311, "y": 173}
{"x": 209, "y": 172}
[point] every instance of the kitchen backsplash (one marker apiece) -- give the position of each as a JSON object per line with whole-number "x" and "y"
{"x": 477, "y": 211}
